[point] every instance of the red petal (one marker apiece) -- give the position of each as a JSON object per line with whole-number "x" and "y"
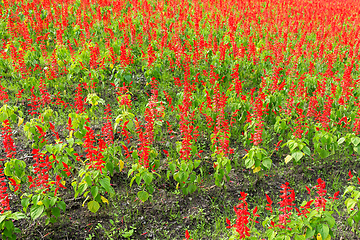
{"x": 255, "y": 210}
{"x": 228, "y": 221}
{"x": 65, "y": 165}
{"x": 13, "y": 182}
{"x": 268, "y": 199}
{"x": 187, "y": 235}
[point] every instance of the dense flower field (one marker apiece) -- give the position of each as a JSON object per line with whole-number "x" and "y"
{"x": 168, "y": 91}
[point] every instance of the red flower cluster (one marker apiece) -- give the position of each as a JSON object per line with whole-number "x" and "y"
{"x": 79, "y": 102}
{"x": 94, "y": 155}
{"x": 41, "y": 166}
{"x": 8, "y": 142}
{"x": 243, "y": 214}
{"x": 320, "y": 201}
{"x": 4, "y": 197}
{"x": 3, "y": 95}
{"x": 107, "y": 129}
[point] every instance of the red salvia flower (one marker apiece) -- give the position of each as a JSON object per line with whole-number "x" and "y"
{"x": 242, "y": 220}
{"x": 268, "y": 206}
{"x": 350, "y": 175}
{"x": 8, "y": 142}
{"x": 4, "y": 197}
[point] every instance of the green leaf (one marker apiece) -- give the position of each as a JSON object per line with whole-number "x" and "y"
{"x": 357, "y": 217}
{"x": 93, "y": 206}
{"x": 306, "y": 150}
{"x": 36, "y": 211}
{"x": 25, "y": 203}
{"x": 191, "y": 188}
{"x": 267, "y": 163}
{"x": 143, "y": 196}
{"x": 297, "y": 155}
{"x": 292, "y": 145}
{"x": 94, "y": 191}
{"x": 81, "y": 189}
{"x": 323, "y": 229}
{"x": 55, "y": 211}
{"x": 355, "y": 141}
{"x": 62, "y": 205}
{"x": 323, "y": 153}
{"x": 309, "y": 233}
{"x": 105, "y": 183}
{"x": 181, "y": 176}
{"x": 299, "y": 237}
{"x": 330, "y": 219}
{"x": 148, "y": 177}
{"x": 197, "y": 163}
{"x": 172, "y": 167}
{"x": 357, "y": 149}
{"x": 53, "y": 201}
{"x": 135, "y": 155}
{"x": 249, "y": 162}
{"x": 349, "y": 189}
{"x": 9, "y": 225}
{"x": 341, "y": 140}
{"x": 2, "y": 218}
{"x": 17, "y": 215}
{"x": 270, "y": 234}
{"x": 350, "y": 203}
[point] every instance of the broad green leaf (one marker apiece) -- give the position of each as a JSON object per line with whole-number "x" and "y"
{"x": 148, "y": 177}
{"x": 2, "y": 218}
{"x": 355, "y": 141}
{"x": 62, "y": 205}
{"x": 330, "y": 219}
{"x": 93, "y": 206}
{"x": 9, "y": 225}
{"x": 249, "y": 162}
{"x": 297, "y": 155}
{"x": 349, "y": 189}
{"x": 172, "y": 167}
{"x": 143, "y": 196}
{"x": 350, "y": 203}
{"x": 323, "y": 153}
{"x": 94, "y": 191}
{"x": 341, "y": 140}
{"x": 300, "y": 237}
{"x": 306, "y": 150}
{"x": 191, "y": 188}
{"x": 357, "y": 217}
{"x": 323, "y": 229}
{"x": 36, "y": 211}
{"x": 105, "y": 183}
{"x": 55, "y": 211}
{"x": 357, "y": 149}
{"x": 267, "y": 163}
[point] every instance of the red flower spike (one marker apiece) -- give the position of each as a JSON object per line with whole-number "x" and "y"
{"x": 187, "y": 235}
{"x": 229, "y": 223}
{"x": 308, "y": 189}
{"x": 268, "y": 206}
{"x": 350, "y": 175}
{"x": 335, "y": 196}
